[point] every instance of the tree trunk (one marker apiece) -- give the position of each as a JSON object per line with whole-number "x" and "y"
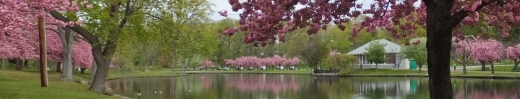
{"x": 93, "y": 72}
{"x": 104, "y": 58}
{"x": 492, "y": 68}
{"x": 37, "y": 64}
{"x": 25, "y": 62}
{"x": 83, "y": 70}
{"x": 361, "y": 66}
{"x": 483, "y": 65}
{"x": 464, "y": 67}
{"x": 67, "y": 40}
{"x": 439, "y": 25}
{"x": 4, "y": 61}
{"x": 19, "y": 64}
{"x": 173, "y": 62}
{"x": 515, "y": 68}
{"x": 376, "y": 67}
{"x": 58, "y": 67}
{"x": 420, "y": 67}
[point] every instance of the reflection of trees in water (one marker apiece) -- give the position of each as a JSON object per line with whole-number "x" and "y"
{"x": 206, "y": 81}
{"x": 381, "y": 88}
{"x": 269, "y": 83}
{"x": 487, "y": 89}
{"x": 265, "y": 86}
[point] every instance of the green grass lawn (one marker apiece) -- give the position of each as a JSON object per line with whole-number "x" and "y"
{"x": 470, "y": 73}
{"x": 387, "y": 72}
{"x": 26, "y": 85}
{"x": 507, "y": 68}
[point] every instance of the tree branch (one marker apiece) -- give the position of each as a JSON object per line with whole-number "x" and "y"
{"x": 456, "y": 18}
{"x": 78, "y": 29}
{"x": 149, "y": 14}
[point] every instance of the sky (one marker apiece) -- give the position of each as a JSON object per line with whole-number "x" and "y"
{"x": 220, "y": 5}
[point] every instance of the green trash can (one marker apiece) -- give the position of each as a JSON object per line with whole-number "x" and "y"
{"x": 413, "y": 64}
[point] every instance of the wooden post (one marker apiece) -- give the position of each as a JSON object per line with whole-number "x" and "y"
{"x": 43, "y": 52}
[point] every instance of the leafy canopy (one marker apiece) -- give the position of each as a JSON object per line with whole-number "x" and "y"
{"x": 416, "y": 51}
{"x": 376, "y": 52}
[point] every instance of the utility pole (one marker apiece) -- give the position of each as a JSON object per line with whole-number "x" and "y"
{"x": 43, "y": 52}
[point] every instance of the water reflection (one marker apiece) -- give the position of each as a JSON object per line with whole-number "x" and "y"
{"x": 270, "y": 86}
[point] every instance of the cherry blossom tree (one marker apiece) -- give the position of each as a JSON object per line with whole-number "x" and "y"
{"x": 462, "y": 50}
{"x": 486, "y": 51}
{"x": 269, "y": 20}
{"x": 19, "y": 15}
{"x": 513, "y": 53}
{"x": 229, "y": 62}
{"x": 276, "y": 60}
{"x": 294, "y": 61}
{"x": 206, "y": 63}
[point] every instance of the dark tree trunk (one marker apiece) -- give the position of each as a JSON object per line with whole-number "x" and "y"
{"x": 25, "y": 62}
{"x": 439, "y": 25}
{"x": 58, "y": 67}
{"x": 492, "y": 68}
{"x": 83, "y": 70}
{"x": 93, "y": 72}
{"x": 19, "y": 64}
{"x": 515, "y": 68}
{"x": 361, "y": 66}
{"x": 483, "y": 65}
{"x": 376, "y": 67}
{"x": 420, "y": 67}
{"x": 4, "y": 61}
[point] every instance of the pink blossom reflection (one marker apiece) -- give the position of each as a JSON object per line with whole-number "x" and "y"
{"x": 270, "y": 83}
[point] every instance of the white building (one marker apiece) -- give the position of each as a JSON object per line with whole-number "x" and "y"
{"x": 393, "y": 51}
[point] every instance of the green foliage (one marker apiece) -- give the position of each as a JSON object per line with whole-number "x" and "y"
{"x": 376, "y": 52}
{"x": 314, "y": 51}
{"x": 339, "y": 40}
{"x": 342, "y": 62}
{"x": 416, "y": 52}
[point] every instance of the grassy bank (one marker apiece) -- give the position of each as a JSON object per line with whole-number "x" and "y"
{"x": 415, "y": 73}
{"x": 26, "y": 85}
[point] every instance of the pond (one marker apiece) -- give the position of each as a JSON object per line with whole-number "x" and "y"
{"x": 277, "y": 86}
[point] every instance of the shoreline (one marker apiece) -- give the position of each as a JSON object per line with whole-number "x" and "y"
{"x": 246, "y": 73}
{"x": 321, "y": 75}
{"x": 124, "y": 77}
{"x": 405, "y": 75}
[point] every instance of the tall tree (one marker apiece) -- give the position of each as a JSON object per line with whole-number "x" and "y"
{"x": 487, "y": 51}
{"x": 376, "y": 53}
{"x": 513, "y": 53}
{"x": 314, "y": 51}
{"x": 416, "y": 51}
{"x": 104, "y": 45}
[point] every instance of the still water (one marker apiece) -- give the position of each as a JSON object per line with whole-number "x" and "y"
{"x": 275, "y": 86}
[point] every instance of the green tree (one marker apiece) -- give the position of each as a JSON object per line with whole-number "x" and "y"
{"x": 314, "y": 51}
{"x": 341, "y": 62}
{"x": 338, "y": 40}
{"x": 376, "y": 53}
{"x": 416, "y": 51}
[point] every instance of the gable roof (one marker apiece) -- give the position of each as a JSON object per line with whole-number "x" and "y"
{"x": 389, "y": 48}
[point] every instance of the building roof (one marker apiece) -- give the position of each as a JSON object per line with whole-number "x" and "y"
{"x": 389, "y": 48}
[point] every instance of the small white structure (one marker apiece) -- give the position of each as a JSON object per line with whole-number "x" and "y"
{"x": 393, "y": 57}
